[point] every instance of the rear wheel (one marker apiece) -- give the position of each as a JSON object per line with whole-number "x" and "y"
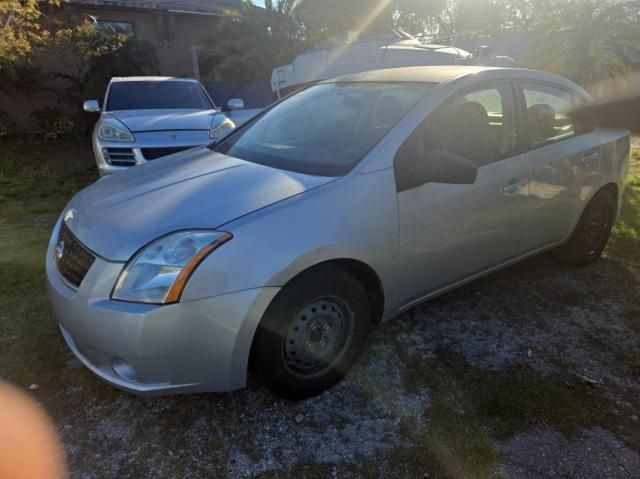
{"x": 592, "y": 232}
{"x": 312, "y": 333}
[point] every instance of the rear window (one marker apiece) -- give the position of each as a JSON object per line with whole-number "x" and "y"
{"x": 157, "y": 95}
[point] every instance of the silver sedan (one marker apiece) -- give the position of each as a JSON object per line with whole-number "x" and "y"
{"x": 279, "y": 248}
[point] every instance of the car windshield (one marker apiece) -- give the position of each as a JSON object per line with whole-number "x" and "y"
{"x": 157, "y": 95}
{"x": 326, "y": 129}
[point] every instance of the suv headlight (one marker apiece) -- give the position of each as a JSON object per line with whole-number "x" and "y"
{"x": 158, "y": 273}
{"x": 221, "y": 129}
{"x": 110, "y": 132}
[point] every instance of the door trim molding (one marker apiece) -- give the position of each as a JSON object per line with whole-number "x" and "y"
{"x": 473, "y": 276}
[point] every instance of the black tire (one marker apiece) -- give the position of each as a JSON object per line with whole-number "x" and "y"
{"x": 324, "y": 288}
{"x": 592, "y": 232}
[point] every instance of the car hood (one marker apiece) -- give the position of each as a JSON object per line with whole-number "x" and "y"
{"x": 119, "y": 214}
{"x": 159, "y": 120}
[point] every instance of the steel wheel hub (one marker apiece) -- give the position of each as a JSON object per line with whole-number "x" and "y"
{"x": 317, "y": 335}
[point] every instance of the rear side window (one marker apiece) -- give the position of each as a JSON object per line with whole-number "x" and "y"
{"x": 478, "y": 125}
{"x": 545, "y": 116}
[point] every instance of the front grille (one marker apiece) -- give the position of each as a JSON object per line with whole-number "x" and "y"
{"x": 153, "y": 153}
{"x": 119, "y": 156}
{"x": 73, "y": 259}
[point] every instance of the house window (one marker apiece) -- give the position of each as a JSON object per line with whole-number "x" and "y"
{"x": 110, "y": 26}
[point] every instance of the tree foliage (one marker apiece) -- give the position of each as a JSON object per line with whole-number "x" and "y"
{"x": 333, "y": 18}
{"x": 249, "y": 42}
{"x": 20, "y": 29}
{"x": 585, "y": 40}
{"x": 419, "y": 16}
{"x": 43, "y": 48}
{"x": 589, "y": 42}
{"x": 86, "y": 58}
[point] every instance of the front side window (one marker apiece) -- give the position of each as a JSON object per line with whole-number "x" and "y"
{"x": 479, "y": 126}
{"x": 325, "y": 129}
{"x": 157, "y": 95}
{"x": 545, "y": 116}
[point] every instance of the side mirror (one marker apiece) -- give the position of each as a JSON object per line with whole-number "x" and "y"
{"x": 91, "y": 106}
{"x": 440, "y": 166}
{"x": 432, "y": 166}
{"x": 234, "y": 104}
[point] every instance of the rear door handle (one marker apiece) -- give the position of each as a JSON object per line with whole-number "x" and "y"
{"x": 513, "y": 186}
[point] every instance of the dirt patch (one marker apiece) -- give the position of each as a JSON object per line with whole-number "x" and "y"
{"x": 542, "y": 453}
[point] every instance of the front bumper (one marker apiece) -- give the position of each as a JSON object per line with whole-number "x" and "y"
{"x": 131, "y": 153}
{"x": 195, "y": 346}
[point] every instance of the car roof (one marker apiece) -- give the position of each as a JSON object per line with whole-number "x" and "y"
{"x": 444, "y": 73}
{"x": 419, "y": 74}
{"x": 152, "y": 78}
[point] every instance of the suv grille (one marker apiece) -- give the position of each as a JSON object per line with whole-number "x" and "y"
{"x": 153, "y": 153}
{"x": 119, "y": 156}
{"x": 73, "y": 259}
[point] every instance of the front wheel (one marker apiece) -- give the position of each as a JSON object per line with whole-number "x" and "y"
{"x": 312, "y": 333}
{"x": 592, "y": 232}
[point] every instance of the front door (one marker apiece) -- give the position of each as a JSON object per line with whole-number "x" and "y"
{"x": 449, "y": 232}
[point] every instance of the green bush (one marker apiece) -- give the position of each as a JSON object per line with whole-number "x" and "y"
{"x": 6, "y": 125}
{"x": 53, "y": 124}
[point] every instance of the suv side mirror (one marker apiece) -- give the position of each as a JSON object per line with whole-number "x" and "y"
{"x": 91, "y": 106}
{"x": 415, "y": 167}
{"x": 234, "y": 104}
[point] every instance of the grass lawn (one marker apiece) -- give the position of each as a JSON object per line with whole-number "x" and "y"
{"x": 493, "y": 380}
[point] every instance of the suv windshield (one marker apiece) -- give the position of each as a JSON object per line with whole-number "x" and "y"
{"x": 157, "y": 95}
{"x": 326, "y": 129}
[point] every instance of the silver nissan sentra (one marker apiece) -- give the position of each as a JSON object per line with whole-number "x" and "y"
{"x": 277, "y": 249}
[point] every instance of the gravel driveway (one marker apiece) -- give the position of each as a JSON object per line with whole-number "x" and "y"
{"x": 532, "y": 372}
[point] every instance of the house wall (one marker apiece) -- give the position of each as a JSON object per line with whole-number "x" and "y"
{"x": 175, "y": 35}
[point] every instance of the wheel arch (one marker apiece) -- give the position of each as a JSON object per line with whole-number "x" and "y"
{"x": 363, "y": 273}
{"x": 368, "y": 277}
{"x": 613, "y": 190}
{"x": 610, "y": 188}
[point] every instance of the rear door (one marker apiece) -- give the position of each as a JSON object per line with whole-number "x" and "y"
{"x": 449, "y": 232}
{"x": 563, "y": 163}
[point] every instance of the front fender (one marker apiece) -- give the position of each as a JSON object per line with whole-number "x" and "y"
{"x": 353, "y": 218}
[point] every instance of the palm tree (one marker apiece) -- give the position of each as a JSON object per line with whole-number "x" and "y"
{"x": 590, "y": 42}
{"x": 248, "y": 43}
{"x": 419, "y": 16}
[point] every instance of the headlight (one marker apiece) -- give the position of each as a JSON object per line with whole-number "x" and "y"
{"x": 111, "y": 132}
{"x": 221, "y": 129}
{"x": 158, "y": 273}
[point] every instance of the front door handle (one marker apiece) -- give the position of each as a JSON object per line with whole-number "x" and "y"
{"x": 589, "y": 159}
{"x": 513, "y": 186}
